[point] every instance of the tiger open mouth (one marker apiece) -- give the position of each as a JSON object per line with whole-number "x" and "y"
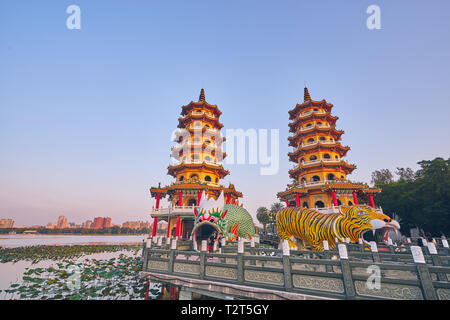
{"x": 369, "y": 235}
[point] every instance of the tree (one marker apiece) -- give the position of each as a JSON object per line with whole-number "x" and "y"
{"x": 381, "y": 177}
{"x": 423, "y": 202}
{"x": 263, "y": 216}
{"x": 405, "y": 174}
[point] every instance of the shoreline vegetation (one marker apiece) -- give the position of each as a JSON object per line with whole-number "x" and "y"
{"x": 68, "y": 278}
{"x": 75, "y": 231}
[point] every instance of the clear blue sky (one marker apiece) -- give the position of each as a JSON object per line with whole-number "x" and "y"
{"x": 86, "y": 115}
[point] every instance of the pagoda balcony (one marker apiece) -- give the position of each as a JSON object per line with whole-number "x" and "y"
{"x": 199, "y": 113}
{"x": 303, "y": 129}
{"x": 214, "y": 163}
{"x": 173, "y": 211}
{"x": 307, "y": 163}
{"x": 307, "y": 113}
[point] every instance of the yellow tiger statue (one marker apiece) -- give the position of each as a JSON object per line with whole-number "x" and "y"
{"x": 297, "y": 224}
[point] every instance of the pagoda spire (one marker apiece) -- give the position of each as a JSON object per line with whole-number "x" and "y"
{"x": 202, "y": 95}
{"x": 306, "y": 95}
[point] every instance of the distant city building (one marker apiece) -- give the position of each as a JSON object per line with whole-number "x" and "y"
{"x": 51, "y": 225}
{"x": 136, "y": 225}
{"x": 107, "y": 222}
{"x": 6, "y": 223}
{"x": 98, "y": 223}
{"x": 62, "y": 222}
{"x": 101, "y": 222}
{"x": 87, "y": 224}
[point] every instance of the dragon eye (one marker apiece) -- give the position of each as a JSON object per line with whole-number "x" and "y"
{"x": 361, "y": 213}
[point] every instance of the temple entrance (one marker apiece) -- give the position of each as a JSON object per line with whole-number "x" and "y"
{"x": 192, "y": 202}
{"x": 203, "y": 232}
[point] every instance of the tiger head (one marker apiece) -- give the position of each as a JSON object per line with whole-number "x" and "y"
{"x": 362, "y": 221}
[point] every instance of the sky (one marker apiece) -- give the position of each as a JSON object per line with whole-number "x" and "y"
{"x": 86, "y": 115}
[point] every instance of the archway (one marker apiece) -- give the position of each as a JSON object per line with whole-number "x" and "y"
{"x": 305, "y": 205}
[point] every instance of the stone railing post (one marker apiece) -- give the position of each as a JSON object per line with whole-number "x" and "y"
{"x": 424, "y": 275}
{"x": 346, "y": 271}
{"x": 375, "y": 255}
{"x": 203, "y": 258}
{"x": 240, "y": 261}
{"x": 445, "y": 245}
{"x": 326, "y": 248}
{"x": 172, "y": 254}
{"x": 287, "y": 266}
{"x": 436, "y": 260}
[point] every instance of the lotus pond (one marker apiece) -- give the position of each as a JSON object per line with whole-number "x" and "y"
{"x": 74, "y": 273}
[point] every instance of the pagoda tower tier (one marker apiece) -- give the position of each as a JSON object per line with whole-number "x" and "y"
{"x": 320, "y": 174}
{"x": 197, "y": 168}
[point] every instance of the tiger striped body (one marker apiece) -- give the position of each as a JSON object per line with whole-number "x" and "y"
{"x": 312, "y": 227}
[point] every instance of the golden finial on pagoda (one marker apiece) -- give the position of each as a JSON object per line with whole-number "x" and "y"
{"x": 306, "y": 96}
{"x": 202, "y": 95}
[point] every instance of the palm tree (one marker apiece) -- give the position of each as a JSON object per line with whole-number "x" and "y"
{"x": 263, "y": 216}
{"x": 274, "y": 209}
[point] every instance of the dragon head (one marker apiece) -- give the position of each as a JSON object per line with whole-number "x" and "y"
{"x": 361, "y": 221}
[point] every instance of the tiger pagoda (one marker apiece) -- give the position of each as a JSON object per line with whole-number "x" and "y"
{"x": 320, "y": 173}
{"x": 197, "y": 169}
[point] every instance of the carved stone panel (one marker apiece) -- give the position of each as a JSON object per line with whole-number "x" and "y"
{"x": 186, "y": 268}
{"x": 389, "y": 291}
{"x": 443, "y": 294}
{"x": 264, "y": 277}
{"x": 158, "y": 265}
{"x": 318, "y": 283}
{"x": 220, "y": 272}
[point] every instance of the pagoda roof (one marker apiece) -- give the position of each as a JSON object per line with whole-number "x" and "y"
{"x": 190, "y": 117}
{"x": 337, "y": 147}
{"x": 200, "y": 103}
{"x": 345, "y": 166}
{"x": 335, "y": 133}
{"x": 308, "y": 102}
{"x": 217, "y": 169}
{"x": 312, "y": 116}
{"x": 337, "y": 185}
{"x": 194, "y": 185}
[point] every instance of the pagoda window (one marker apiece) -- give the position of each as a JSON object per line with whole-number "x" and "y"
{"x": 350, "y": 203}
{"x": 303, "y": 180}
{"x": 316, "y": 109}
{"x": 319, "y": 204}
{"x": 207, "y": 158}
{"x": 313, "y": 157}
{"x": 208, "y": 178}
{"x": 342, "y": 177}
{"x": 194, "y": 176}
{"x": 181, "y": 178}
{"x": 302, "y": 160}
{"x": 192, "y": 202}
{"x": 217, "y": 180}
{"x": 336, "y": 157}
{"x": 310, "y": 140}
{"x": 331, "y": 177}
{"x": 207, "y": 126}
{"x": 323, "y": 138}
{"x": 315, "y": 178}
{"x": 309, "y": 125}
{"x": 305, "y": 205}
{"x": 326, "y": 156}
{"x": 319, "y": 123}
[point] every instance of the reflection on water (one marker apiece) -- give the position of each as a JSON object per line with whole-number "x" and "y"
{"x": 19, "y": 240}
